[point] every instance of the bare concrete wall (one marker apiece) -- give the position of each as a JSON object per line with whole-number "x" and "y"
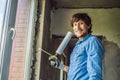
{"x": 105, "y": 22}
{"x": 111, "y": 61}
{"x": 43, "y": 69}
{"x": 42, "y": 38}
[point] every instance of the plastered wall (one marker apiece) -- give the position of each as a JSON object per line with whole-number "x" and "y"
{"x": 106, "y": 22}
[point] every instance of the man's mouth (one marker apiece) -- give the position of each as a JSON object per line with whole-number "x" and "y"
{"x": 80, "y": 29}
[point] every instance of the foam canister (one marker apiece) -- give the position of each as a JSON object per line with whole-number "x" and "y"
{"x": 64, "y": 43}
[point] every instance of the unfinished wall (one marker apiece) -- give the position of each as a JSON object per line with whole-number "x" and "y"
{"x": 106, "y": 23}
{"x": 42, "y": 65}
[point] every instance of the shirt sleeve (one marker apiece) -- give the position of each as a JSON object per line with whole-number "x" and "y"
{"x": 95, "y": 52}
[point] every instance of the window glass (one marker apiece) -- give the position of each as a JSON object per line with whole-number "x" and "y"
{"x": 2, "y": 13}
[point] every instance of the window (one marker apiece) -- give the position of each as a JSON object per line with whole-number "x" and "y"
{"x": 7, "y": 21}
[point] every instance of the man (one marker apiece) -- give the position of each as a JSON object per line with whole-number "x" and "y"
{"x": 86, "y": 57}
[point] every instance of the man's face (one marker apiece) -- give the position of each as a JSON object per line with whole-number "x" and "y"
{"x": 80, "y": 28}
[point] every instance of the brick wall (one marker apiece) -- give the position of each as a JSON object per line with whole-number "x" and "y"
{"x": 17, "y": 63}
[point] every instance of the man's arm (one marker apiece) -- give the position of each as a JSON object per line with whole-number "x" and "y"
{"x": 94, "y": 60}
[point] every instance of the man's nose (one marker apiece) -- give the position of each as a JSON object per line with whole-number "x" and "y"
{"x": 77, "y": 26}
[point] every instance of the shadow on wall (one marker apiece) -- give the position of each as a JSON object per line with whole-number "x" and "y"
{"x": 111, "y": 61}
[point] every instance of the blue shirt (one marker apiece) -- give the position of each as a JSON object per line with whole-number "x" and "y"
{"x": 86, "y": 59}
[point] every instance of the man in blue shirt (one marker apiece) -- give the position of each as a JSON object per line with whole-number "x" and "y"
{"x": 86, "y": 57}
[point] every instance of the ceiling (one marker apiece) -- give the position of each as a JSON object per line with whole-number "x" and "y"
{"x": 86, "y": 3}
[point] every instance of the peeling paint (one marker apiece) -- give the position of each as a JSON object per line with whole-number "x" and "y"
{"x": 111, "y": 61}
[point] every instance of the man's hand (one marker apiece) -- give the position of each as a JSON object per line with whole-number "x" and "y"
{"x": 55, "y": 62}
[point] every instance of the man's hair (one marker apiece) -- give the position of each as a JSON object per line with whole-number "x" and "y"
{"x": 82, "y": 16}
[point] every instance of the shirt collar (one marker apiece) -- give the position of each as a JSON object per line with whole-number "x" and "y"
{"x": 84, "y": 38}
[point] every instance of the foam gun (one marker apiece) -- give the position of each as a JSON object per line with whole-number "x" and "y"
{"x": 62, "y": 46}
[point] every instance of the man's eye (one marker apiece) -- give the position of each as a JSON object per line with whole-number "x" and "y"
{"x": 75, "y": 24}
{"x": 81, "y": 23}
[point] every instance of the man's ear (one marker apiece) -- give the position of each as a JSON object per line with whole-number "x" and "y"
{"x": 89, "y": 26}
